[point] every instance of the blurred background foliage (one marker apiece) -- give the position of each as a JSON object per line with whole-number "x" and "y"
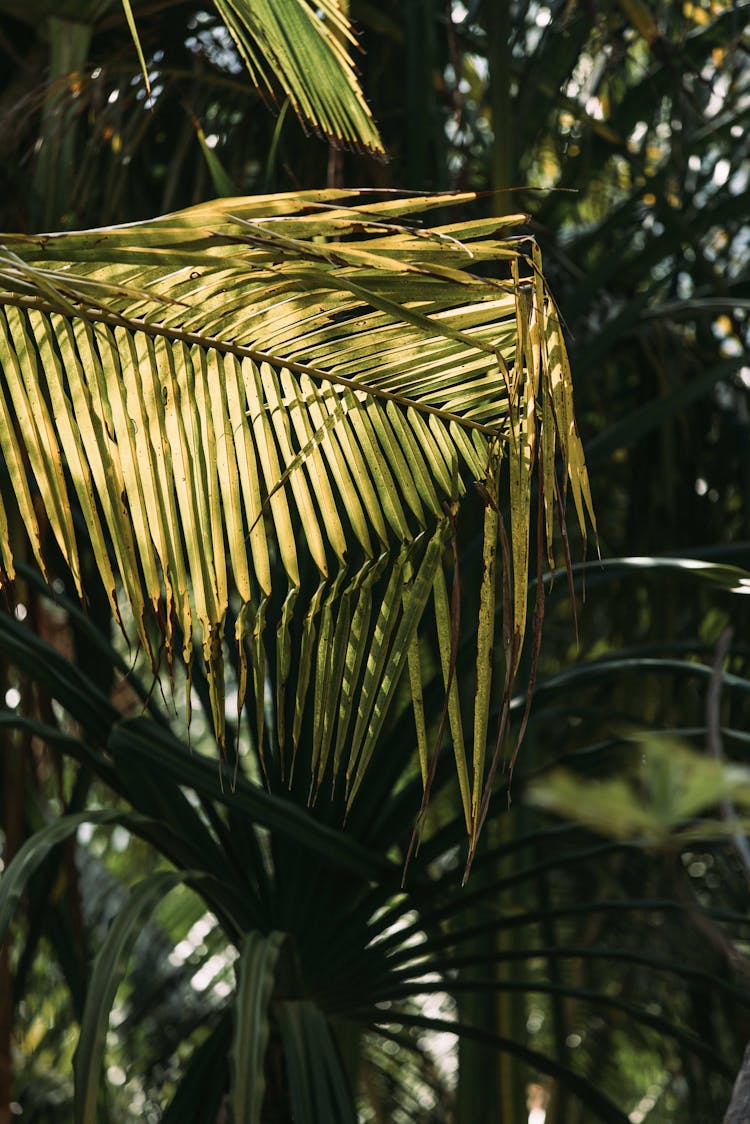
{"x": 590, "y": 979}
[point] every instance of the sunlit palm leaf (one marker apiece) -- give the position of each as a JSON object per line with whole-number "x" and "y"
{"x": 300, "y": 389}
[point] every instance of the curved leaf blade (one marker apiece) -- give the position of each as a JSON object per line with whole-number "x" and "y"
{"x": 255, "y": 980}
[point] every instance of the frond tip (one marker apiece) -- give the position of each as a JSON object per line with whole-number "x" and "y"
{"x": 267, "y": 410}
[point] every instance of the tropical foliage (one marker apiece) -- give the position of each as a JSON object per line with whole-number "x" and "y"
{"x": 602, "y": 975}
{"x": 196, "y": 374}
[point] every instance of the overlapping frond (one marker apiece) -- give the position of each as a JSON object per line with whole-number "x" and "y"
{"x": 267, "y": 411}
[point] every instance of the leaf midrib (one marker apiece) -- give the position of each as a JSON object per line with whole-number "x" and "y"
{"x": 226, "y": 347}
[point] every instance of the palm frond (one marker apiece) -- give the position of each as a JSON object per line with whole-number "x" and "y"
{"x": 282, "y": 43}
{"x": 274, "y": 405}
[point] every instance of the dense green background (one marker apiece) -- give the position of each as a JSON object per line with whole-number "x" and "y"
{"x": 623, "y": 129}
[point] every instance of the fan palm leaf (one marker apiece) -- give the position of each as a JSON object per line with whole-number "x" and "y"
{"x": 275, "y": 405}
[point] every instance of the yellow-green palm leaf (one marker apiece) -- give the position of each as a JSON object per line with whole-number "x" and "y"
{"x": 281, "y": 401}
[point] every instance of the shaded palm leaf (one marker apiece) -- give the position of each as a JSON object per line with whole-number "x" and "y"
{"x": 358, "y": 952}
{"x": 283, "y": 43}
{"x": 302, "y": 389}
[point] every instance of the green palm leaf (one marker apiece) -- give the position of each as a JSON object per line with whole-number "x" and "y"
{"x": 286, "y": 42}
{"x": 285, "y": 398}
{"x": 283, "y": 43}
